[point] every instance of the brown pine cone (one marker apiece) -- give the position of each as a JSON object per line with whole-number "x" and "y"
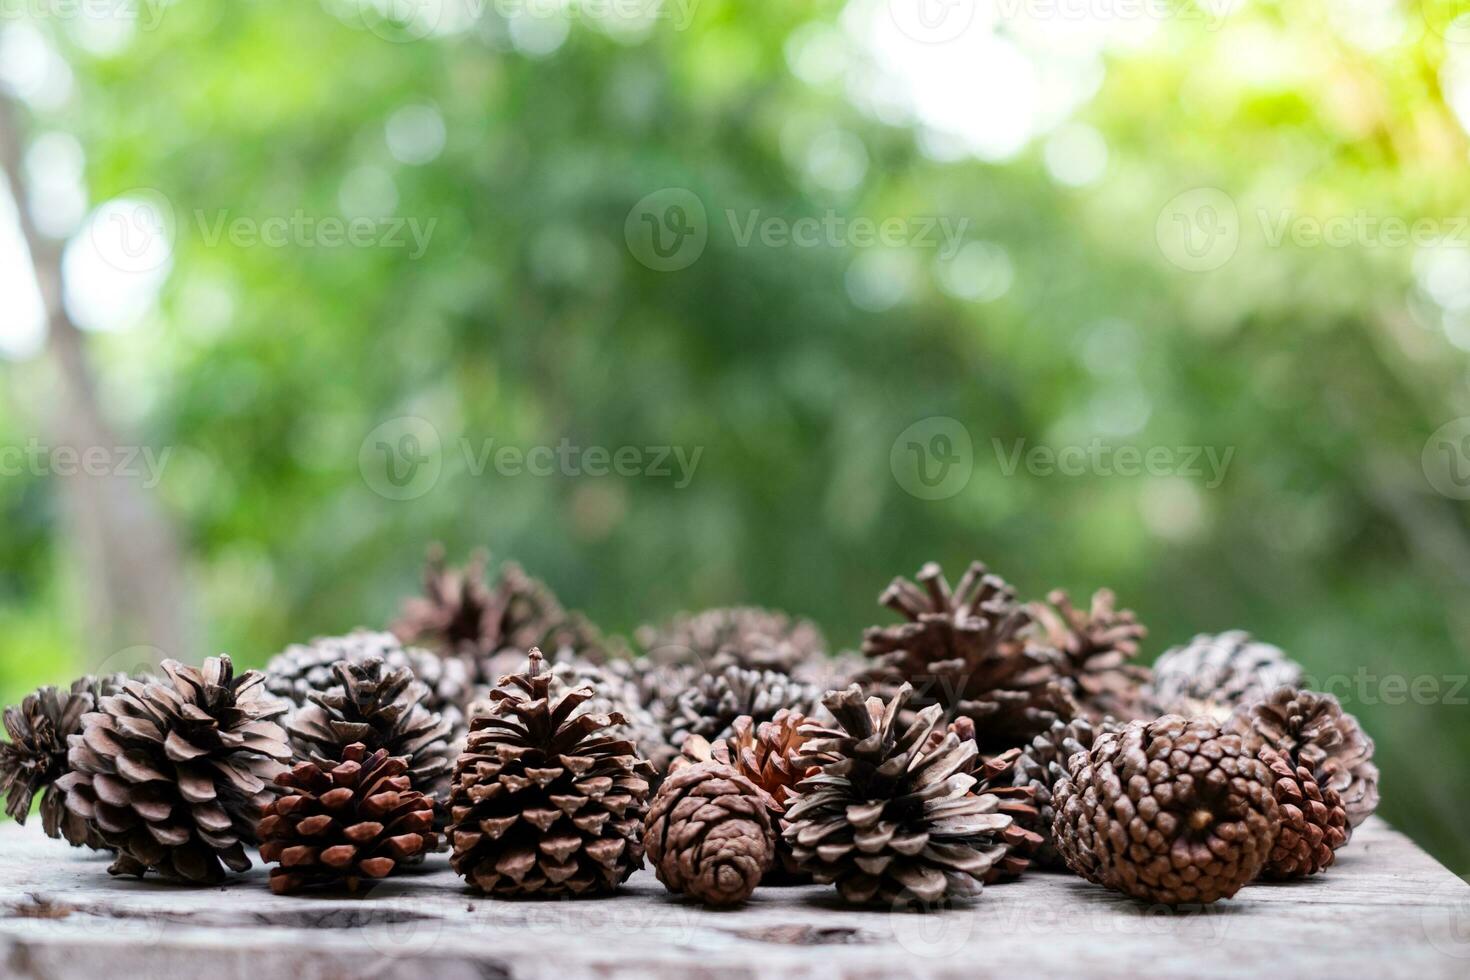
{"x": 1211, "y": 675}
{"x": 965, "y": 650}
{"x": 35, "y": 757}
{"x": 1097, "y": 646}
{"x": 1172, "y": 811}
{"x": 1313, "y": 822}
{"x": 546, "y": 801}
{"x": 744, "y": 636}
{"x": 1042, "y": 763}
{"x": 764, "y": 755}
{"x": 709, "y": 834}
{"x": 1312, "y": 730}
{"x": 173, "y": 774}
{"x": 886, "y": 818}
{"x": 710, "y": 706}
{"x": 338, "y": 824}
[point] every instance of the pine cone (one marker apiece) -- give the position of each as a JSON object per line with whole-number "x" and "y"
{"x": 886, "y": 818}
{"x": 35, "y": 757}
{"x": 964, "y": 650}
{"x": 173, "y": 774}
{"x": 748, "y": 637}
{"x": 764, "y": 755}
{"x": 1096, "y": 648}
{"x": 303, "y": 668}
{"x": 1211, "y": 675}
{"x": 710, "y": 707}
{"x": 1312, "y": 730}
{"x": 709, "y": 834}
{"x": 615, "y": 690}
{"x": 996, "y": 776}
{"x": 1042, "y": 763}
{"x": 546, "y": 802}
{"x": 1169, "y": 811}
{"x": 1313, "y": 822}
{"x": 338, "y": 823}
{"x": 381, "y": 707}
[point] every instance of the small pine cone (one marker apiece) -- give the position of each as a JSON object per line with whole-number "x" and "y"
{"x": 965, "y": 650}
{"x": 1313, "y": 822}
{"x": 1042, "y": 763}
{"x": 710, "y": 707}
{"x": 302, "y": 669}
{"x": 886, "y": 818}
{"x": 834, "y": 673}
{"x": 381, "y": 707}
{"x": 1312, "y": 730}
{"x": 763, "y": 754}
{"x": 173, "y": 774}
{"x": 1172, "y": 811}
{"x": 744, "y": 636}
{"x": 1096, "y": 646}
{"x": 1211, "y": 675}
{"x": 35, "y": 757}
{"x": 709, "y": 834}
{"x": 546, "y": 801}
{"x": 336, "y": 824}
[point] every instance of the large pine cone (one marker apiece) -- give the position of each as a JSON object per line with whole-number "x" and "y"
{"x": 1170, "y": 811}
{"x": 1312, "y": 730}
{"x": 709, "y": 708}
{"x": 764, "y": 754}
{"x": 35, "y": 757}
{"x": 173, "y": 774}
{"x": 335, "y": 824}
{"x": 1096, "y": 647}
{"x": 615, "y": 690}
{"x": 546, "y": 801}
{"x": 709, "y": 834}
{"x": 964, "y": 649}
{"x": 743, "y": 636}
{"x": 381, "y": 707}
{"x": 1313, "y": 822}
{"x": 1041, "y": 764}
{"x": 1211, "y": 675}
{"x": 886, "y": 818}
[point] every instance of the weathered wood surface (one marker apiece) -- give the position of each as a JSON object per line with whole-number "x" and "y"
{"x": 1386, "y": 909}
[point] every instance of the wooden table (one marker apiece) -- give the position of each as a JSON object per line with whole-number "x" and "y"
{"x": 1385, "y": 909}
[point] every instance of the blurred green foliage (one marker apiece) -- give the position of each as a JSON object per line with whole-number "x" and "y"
{"x": 528, "y": 319}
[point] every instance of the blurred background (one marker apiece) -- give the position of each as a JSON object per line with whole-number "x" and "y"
{"x": 694, "y": 302}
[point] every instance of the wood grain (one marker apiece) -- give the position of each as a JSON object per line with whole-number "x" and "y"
{"x": 1386, "y": 909}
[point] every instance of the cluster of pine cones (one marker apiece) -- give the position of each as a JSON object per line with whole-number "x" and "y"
{"x": 976, "y": 739}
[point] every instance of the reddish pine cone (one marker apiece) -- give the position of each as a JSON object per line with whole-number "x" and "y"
{"x": 1313, "y": 821}
{"x": 338, "y": 824}
{"x": 1170, "y": 811}
{"x": 708, "y": 834}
